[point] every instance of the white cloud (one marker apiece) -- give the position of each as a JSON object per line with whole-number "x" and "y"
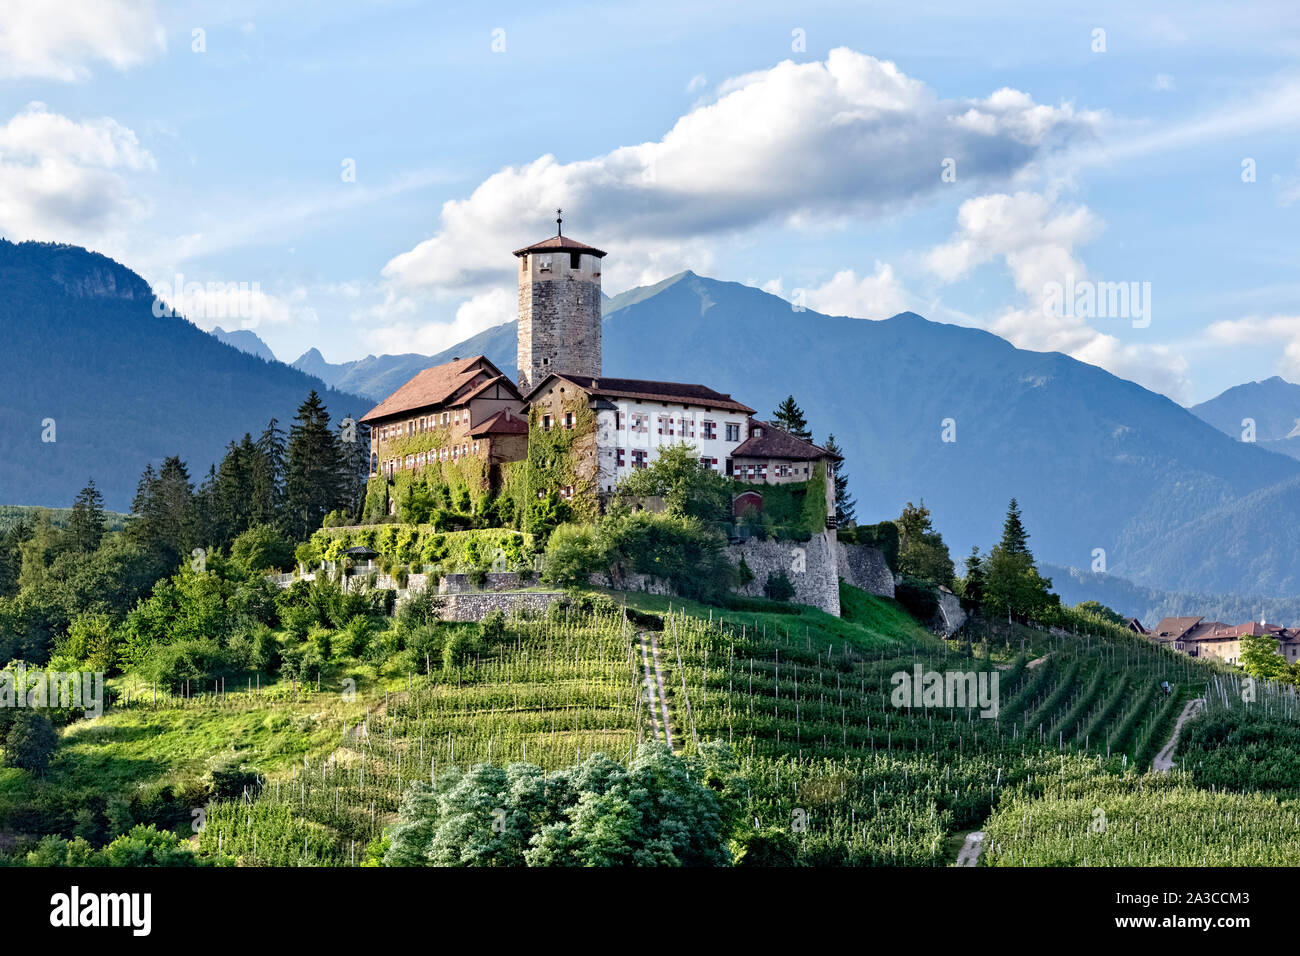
{"x": 63, "y": 180}
{"x": 475, "y": 315}
{"x": 697, "y": 83}
{"x": 1164, "y": 83}
{"x": 1036, "y": 239}
{"x": 800, "y": 142}
{"x": 876, "y": 296}
{"x": 61, "y": 40}
{"x": 1257, "y": 330}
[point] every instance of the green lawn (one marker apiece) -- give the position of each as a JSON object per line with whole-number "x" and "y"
{"x": 867, "y": 623}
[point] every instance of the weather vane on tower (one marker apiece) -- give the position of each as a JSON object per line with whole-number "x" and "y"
{"x": 559, "y": 222}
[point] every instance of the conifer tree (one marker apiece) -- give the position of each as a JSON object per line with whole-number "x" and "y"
{"x": 1015, "y": 540}
{"x": 789, "y": 417}
{"x": 845, "y": 506}
{"x": 86, "y": 523}
{"x": 312, "y": 470}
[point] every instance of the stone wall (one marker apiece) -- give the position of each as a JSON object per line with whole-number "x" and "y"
{"x": 477, "y": 605}
{"x": 811, "y": 566}
{"x": 865, "y": 568}
{"x": 632, "y": 582}
{"x": 496, "y": 581}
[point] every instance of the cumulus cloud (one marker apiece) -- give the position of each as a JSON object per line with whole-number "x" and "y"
{"x": 1036, "y": 238}
{"x": 1257, "y": 330}
{"x": 60, "y": 41}
{"x": 797, "y": 144}
{"x": 63, "y": 180}
{"x": 409, "y": 334}
{"x": 876, "y": 296}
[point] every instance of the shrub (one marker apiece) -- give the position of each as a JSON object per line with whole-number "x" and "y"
{"x": 778, "y": 586}
{"x": 882, "y": 536}
{"x": 494, "y": 627}
{"x": 30, "y": 742}
{"x": 573, "y": 553}
{"x": 919, "y": 598}
{"x": 262, "y": 547}
{"x": 744, "y": 573}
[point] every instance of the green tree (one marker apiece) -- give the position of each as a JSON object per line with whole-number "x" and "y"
{"x": 687, "y": 488}
{"x": 30, "y": 743}
{"x": 312, "y": 475}
{"x": 1097, "y": 609}
{"x": 1260, "y": 659}
{"x": 845, "y": 506}
{"x": 86, "y": 523}
{"x": 163, "y": 517}
{"x": 921, "y": 552}
{"x": 661, "y": 810}
{"x": 973, "y": 584}
{"x": 1015, "y": 540}
{"x": 789, "y": 417}
{"x": 572, "y": 554}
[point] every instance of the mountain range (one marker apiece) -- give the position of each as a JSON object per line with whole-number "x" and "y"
{"x": 245, "y": 340}
{"x": 1273, "y": 405}
{"x": 1095, "y": 461}
{"x": 98, "y": 387}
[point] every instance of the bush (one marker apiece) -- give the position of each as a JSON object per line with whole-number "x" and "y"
{"x": 573, "y": 553}
{"x": 883, "y": 537}
{"x": 919, "y": 598}
{"x": 494, "y": 627}
{"x": 30, "y": 742}
{"x": 421, "y": 607}
{"x": 197, "y": 660}
{"x": 744, "y": 573}
{"x": 261, "y": 548}
{"x": 778, "y": 586}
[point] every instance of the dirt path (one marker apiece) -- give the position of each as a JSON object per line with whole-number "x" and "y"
{"x": 655, "y": 694}
{"x": 1164, "y": 761}
{"x": 969, "y": 854}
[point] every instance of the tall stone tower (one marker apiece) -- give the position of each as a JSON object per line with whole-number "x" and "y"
{"x": 559, "y": 309}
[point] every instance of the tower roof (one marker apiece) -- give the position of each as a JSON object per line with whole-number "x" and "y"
{"x": 560, "y": 244}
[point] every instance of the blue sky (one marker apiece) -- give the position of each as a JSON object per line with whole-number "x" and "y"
{"x": 795, "y": 147}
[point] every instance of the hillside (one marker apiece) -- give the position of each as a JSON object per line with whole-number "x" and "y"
{"x": 1149, "y": 605}
{"x": 1096, "y": 461}
{"x": 123, "y": 387}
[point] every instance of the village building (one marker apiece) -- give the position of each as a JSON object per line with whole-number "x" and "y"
{"x": 627, "y": 421}
{"x": 465, "y": 408}
{"x": 1198, "y": 637}
{"x": 771, "y": 455}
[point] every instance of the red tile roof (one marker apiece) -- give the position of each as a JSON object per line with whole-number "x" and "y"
{"x": 777, "y": 443}
{"x": 503, "y": 422}
{"x": 435, "y": 386}
{"x": 559, "y": 244}
{"x": 1172, "y": 628}
{"x": 678, "y": 393}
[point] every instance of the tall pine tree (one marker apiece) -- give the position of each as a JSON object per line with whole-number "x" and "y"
{"x": 1015, "y": 539}
{"x": 86, "y": 523}
{"x": 312, "y": 484}
{"x": 268, "y": 476}
{"x": 845, "y": 506}
{"x": 789, "y": 416}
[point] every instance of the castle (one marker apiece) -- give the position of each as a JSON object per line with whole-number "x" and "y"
{"x": 619, "y": 424}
